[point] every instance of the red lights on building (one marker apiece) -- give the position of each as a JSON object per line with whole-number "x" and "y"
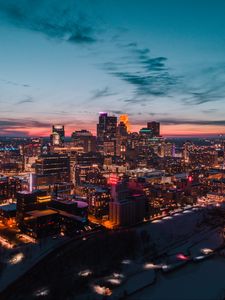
{"x": 113, "y": 179}
{"x": 136, "y": 195}
{"x": 190, "y": 178}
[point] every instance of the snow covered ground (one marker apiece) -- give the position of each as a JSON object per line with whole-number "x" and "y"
{"x": 200, "y": 281}
{"x": 172, "y": 230}
{"x": 181, "y": 238}
{"x": 26, "y": 257}
{"x": 194, "y": 280}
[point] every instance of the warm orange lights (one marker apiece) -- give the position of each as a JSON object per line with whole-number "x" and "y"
{"x": 42, "y": 199}
{"x": 125, "y": 120}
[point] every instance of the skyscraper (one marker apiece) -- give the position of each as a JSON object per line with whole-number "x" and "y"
{"x": 155, "y": 128}
{"x": 107, "y": 126}
{"x": 58, "y": 135}
{"x": 128, "y": 204}
{"x": 122, "y": 129}
{"x": 125, "y": 120}
{"x": 102, "y": 125}
{"x": 85, "y": 139}
{"x": 52, "y": 168}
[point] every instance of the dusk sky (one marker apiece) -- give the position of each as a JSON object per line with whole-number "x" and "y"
{"x": 65, "y": 61}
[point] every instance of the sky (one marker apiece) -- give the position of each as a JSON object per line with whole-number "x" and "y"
{"x": 156, "y": 60}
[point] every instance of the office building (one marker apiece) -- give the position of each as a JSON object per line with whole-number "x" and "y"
{"x": 125, "y": 120}
{"x": 107, "y": 127}
{"x": 28, "y": 201}
{"x": 58, "y": 135}
{"x": 52, "y": 168}
{"x": 128, "y": 205}
{"x": 84, "y": 139}
{"x": 155, "y": 128}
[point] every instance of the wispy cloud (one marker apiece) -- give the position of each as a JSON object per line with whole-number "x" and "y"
{"x": 178, "y": 121}
{"x": 25, "y": 123}
{"x": 158, "y": 114}
{"x": 104, "y": 92}
{"x": 14, "y": 83}
{"x": 60, "y": 20}
{"x": 204, "y": 86}
{"x": 117, "y": 112}
{"x": 148, "y": 75}
{"x": 20, "y": 127}
{"x": 174, "y": 121}
{"x": 209, "y": 111}
{"x": 28, "y": 99}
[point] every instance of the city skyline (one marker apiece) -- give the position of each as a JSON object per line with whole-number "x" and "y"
{"x": 65, "y": 62}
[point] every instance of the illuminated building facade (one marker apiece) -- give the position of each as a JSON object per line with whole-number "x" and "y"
{"x": 53, "y": 167}
{"x": 29, "y": 201}
{"x": 84, "y": 139}
{"x": 128, "y": 205}
{"x": 166, "y": 149}
{"x": 107, "y": 127}
{"x": 9, "y": 186}
{"x": 122, "y": 129}
{"x": 58, "y": 135}
{"x": 125, "y": 120}
{"x": 41, "y": 223}
{"x": 73, "y": 214}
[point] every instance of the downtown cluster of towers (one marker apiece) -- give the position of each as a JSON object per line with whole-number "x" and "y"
{"x": 108, "y": 128}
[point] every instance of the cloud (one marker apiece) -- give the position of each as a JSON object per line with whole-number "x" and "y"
{"x": 104, "y": 92}
{"x": 158, "y": 114}
{"x": 204, "y": 86}
{"x": 135, "y": 100}
{"x": 20, "y": 127}
{"x": 14, "y": 83}
{"x": 25, "y": 123}
{"x": 150, "y": 78}
{"x": 117, "y": 112}
{"x": 175, "y": 121}
{"x": 148, "y": 75}
{"x": 209, "y": 111}
{"x": 60, "y": 20}
{"x": 29, "y": 99}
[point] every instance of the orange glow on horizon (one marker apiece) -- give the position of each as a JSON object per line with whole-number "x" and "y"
{"x": 166, "y": 130}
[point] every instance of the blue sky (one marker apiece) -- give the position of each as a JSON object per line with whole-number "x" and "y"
{"x": 64, "y": 61}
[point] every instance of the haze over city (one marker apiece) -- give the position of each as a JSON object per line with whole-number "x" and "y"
{"x": 66, "y": 61}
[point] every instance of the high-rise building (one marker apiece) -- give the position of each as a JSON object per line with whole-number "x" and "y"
{"x": 58, "y": 135}
{"x": 128, "y": 205}
{"x": 55, "y": 139}
{"x": 107, "y": 126}
{"x": 124, "y": 119}
{"x": 87, "y": 168}
{"x": 166, "y": 149}
{"x": 122, "y": 129}
{"x": 102, "y": 125}
{"x": 52, "y": 168}
{"x": 146, "y": 132}
{"x": 155, "y": 128}
{"x": 29, "y": 201}
{"x": 85, "y": 139}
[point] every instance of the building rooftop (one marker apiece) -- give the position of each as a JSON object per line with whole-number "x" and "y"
{"x": 70, "y": 216}
{"x": 8, "y": 207}
{"x": 80, "y": 204}
{"x": 41, "y": 213}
